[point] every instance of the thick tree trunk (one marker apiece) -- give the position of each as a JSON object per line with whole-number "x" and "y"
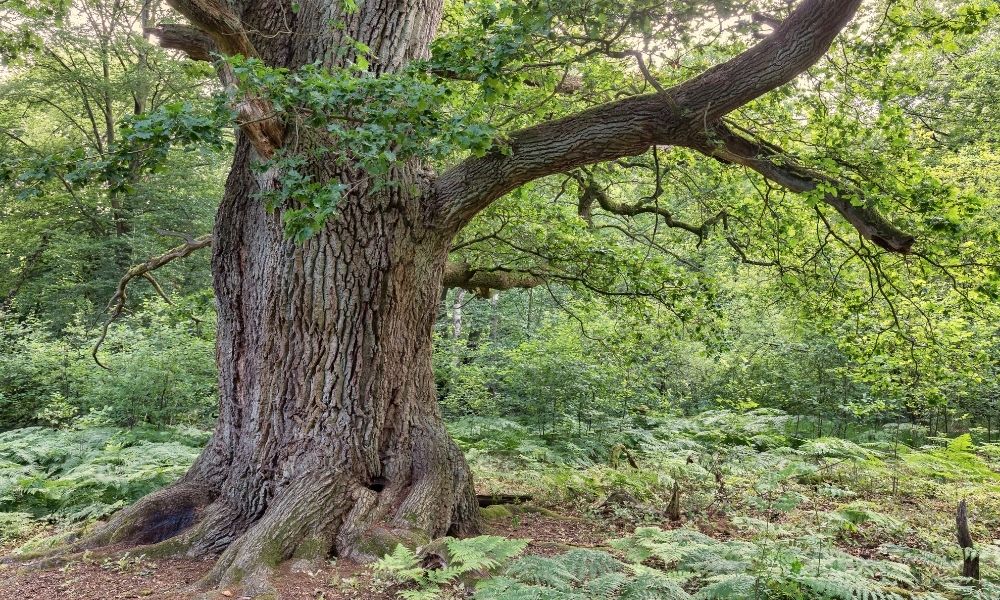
{"x": 329, "y": 437}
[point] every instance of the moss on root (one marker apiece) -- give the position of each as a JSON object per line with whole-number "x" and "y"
{"x": 272, "y": 554}
{"x": 311, "y": 548}
{"x": 378, "y": 542}
{"x": 496, "y": 512}
{"x": 174, "y": 546}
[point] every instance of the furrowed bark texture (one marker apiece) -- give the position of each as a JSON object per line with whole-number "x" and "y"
{"x": 329, "y": 438}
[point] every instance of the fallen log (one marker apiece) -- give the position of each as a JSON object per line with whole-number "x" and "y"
{"x": 492, "y": 499}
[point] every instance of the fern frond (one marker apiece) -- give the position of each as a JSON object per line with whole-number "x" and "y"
{"x": 542, "y": 571}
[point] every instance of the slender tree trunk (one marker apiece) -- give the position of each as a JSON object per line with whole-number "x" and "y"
{"x": 456, "y": 314}
{"x": 329, "y": 438}
{"x": 495, "y": 316}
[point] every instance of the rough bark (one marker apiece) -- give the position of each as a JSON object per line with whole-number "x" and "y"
{"x": 329, "y": 437}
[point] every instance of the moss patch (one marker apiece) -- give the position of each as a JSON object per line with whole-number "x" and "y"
{"x": 311, "y": 548}
{"x": 271, "y": 553}
{"x": 496, "y": 512}
{"x": 172, "y": 547}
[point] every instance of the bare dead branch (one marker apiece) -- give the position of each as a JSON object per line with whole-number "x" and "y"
{"x": 117, "y": 303}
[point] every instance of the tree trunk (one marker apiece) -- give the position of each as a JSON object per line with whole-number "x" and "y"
{"x": 329, "y": 437}
{"x": 456, "y": 314}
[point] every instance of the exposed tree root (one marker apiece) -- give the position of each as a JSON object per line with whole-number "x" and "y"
{"x": 300, "y": 523}
{"x": 315, "y": 515}
{"x": 156, "y": 517}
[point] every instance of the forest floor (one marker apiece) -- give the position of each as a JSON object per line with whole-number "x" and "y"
{"x": 763, "y": 514}
{"x": 129, "y": 574}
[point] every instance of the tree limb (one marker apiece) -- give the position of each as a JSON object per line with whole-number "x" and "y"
{"x": 193, "y": 42}
{"x": 680, "y": 115}
{"x": 589, "y": 190}
{"x": 218, "y": 30}
{"x": 480, "y": 282}
{"x": 117, "y": 303}
{"x": 728, "y": 146}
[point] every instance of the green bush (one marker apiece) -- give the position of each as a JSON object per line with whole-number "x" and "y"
{"x": 161, "y": 370}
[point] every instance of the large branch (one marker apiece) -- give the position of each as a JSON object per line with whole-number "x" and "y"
{"x": 218, "y": 30}
{"x": 480, "y": 282}
{"x": 193, "y": 42}
{"x": 680, "y": 116}
{"x": 728, "y": 146}
{"x": 216, "y": 19}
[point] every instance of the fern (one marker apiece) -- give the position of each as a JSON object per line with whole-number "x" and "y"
{"x": 71, "y": 476}
{"x": 836, "y": 448}
{"x": 734, "y": 586}
{"x": 540, "y": 570}
{"x": 485, "y": 552}
{"x": 653, "y": 586}
{"x": 473, "y": 556}
{"x": 403, "y": 564}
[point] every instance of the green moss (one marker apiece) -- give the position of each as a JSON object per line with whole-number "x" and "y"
{"x": 171, "y": 547}
{"x": 271, "y": 553}
{"x": 496, "y": 512}
{"x": 310, "y": 548}
{"x": 237, "y": 574}
{"x": 378, "y": 544}
{"x": 41, "y": 545}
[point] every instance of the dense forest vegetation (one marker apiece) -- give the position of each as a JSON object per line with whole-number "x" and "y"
{"x": 742, "y": 349}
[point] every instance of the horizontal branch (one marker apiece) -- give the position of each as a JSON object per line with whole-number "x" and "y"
{"x": 461, "y": 275}
{"x": 679, "y": 116}
{"x": 216, "y": 19}
{"x": 731, "y": 147}
{"x": 194, "y": 43}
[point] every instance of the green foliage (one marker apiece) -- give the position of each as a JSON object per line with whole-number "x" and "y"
{"x": 461, "y": 561}
{"x": 162, "y": 371}
{"x": 767, "y": 567}
{"x": 148, "y": 136}
{"x": 579, "y": 575}
{"x": 72, "y": 475}
{"x": 369, "y": 122}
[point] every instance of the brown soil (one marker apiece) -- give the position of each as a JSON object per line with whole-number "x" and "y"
{"x": 127, "y": 576}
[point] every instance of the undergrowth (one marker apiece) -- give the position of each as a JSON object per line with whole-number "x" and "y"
{"x": 760, "y": 513}
{"x": 68, "y": 476}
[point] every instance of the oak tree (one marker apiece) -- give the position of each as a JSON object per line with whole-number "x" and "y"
{"x": 331, "y": 246}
